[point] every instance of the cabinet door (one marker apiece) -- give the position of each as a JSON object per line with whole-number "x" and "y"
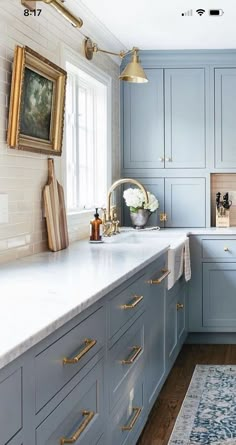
{"x": 155, "y": 186}
{"x": 219, "y": 302}
{"x": 185, "y": 202}
{"x": 185, "y": 121}
{"x": 181, "y": 314}
{"x": 143, "y": 122}
{"x": 155, "y": 333}
{"x": 171, "y": 327}
{"x": 225, "y": 118}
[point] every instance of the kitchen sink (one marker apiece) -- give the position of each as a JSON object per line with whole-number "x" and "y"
{"x": 176, "y": 241}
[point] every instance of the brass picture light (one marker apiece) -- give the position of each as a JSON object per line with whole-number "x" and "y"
{"x": 133, "y": 71}
{"x": 58, "y": 5}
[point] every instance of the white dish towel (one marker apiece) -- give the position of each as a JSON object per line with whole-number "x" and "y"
{"x": 179, "y": 261}
{"x": 187, "y": 263}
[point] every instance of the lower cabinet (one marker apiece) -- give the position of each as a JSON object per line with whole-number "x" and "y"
{"x": 128, "y": 417}
{"x": 95, "y": 379}
{"x": 80, "y": 416}
{"x": 176, "y": 321}
{"x": 219, "y": 302}
{"x": 155, "y": 337}
{"x": 11, "y": 406}
{"x": 212, "y": 303}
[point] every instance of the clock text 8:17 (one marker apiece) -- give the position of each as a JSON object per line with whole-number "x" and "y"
{"x": 34, "y": 12}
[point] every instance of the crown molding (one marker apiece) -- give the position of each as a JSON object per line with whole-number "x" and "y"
{"x": 96, "y": 30}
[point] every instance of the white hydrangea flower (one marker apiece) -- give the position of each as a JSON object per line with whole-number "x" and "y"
{"x": 134, "y": 198}
{"x": 153, "y": 203}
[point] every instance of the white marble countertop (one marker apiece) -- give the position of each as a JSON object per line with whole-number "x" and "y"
{"x": 42, "y": 292}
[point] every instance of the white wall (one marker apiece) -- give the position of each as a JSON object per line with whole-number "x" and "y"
{"x": 23, "y": 174}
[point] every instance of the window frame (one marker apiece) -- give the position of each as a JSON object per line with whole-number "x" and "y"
{"x": 70, "y": 56}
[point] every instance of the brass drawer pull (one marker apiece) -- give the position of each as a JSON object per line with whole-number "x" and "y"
{"x": 89, "y": 344}
{"x": 226, "y": 249}
{"x": 137, "y": 350}
{"x": 166, "y": 272}
{"x": 88, "y": 417}
{"x": 137, "y": 412}
{"x": 179, "y": 306}
{"x": 134, "y": 304}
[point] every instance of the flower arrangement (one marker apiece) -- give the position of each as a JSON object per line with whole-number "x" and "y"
{"x": 135, "y": 200}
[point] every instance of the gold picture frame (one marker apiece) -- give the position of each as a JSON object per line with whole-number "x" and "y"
{"x": 37, "y": 103}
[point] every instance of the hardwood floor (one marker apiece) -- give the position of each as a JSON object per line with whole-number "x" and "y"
{"x": 165, "y": 411}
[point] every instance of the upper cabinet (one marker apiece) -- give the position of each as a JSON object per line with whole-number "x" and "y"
{"x": 225, "y": 118}
{"x": 185, "y": 118}
{"x": 144, "y": 122}
{"x": 165, "y": 120}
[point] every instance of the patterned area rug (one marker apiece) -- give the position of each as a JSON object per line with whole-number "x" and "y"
{"x": 208, "y": 413}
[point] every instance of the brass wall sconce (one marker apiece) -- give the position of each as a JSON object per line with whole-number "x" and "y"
{"x": 58, "y": 5}
{"x": 133, "y": 71}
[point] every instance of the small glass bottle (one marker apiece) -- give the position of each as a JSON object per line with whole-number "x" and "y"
{"x": 95, "y": 228}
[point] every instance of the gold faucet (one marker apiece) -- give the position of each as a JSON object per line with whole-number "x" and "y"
{"x": 110, "y": 221}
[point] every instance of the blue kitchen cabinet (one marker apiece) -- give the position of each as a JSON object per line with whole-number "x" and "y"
{"x": 143, "y": 122}
{"x": 176, "y": 324}
{"x": 165, "y": 127}
{"x": 155, "y": 186}
{"x": 155, "y": 335}
{"x": 185, "y": 118}
{"x": 11, "y": 407}
{"x": 185, "y": 202}
{"x": 219, "y": 302}
{"x": 212, "y": 306}
{"x": 225, "y": 118}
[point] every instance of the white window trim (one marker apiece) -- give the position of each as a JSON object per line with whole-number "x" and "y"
{"x": 71, "y": 56}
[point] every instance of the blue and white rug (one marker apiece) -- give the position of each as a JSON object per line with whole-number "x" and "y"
{"x": 208, "y": 413}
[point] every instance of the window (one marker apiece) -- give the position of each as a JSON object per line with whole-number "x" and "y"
{"x": 87, "y": 138}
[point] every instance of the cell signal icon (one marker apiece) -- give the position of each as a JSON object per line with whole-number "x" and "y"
{"x": 188, "y": 13}
{"x": 200, "y": 11}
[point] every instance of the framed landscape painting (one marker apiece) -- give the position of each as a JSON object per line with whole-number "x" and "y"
{"x": 37, "y": 105}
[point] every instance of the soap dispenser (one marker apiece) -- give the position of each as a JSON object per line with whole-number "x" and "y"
{"x": 95, "y": 228}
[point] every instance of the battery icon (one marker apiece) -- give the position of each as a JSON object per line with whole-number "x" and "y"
{"x": 216, "y": 12}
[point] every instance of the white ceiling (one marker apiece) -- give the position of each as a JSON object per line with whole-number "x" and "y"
{"x": 154, "y": 24}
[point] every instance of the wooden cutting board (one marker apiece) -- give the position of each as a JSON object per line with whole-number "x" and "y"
{"x": 55, "y": 212}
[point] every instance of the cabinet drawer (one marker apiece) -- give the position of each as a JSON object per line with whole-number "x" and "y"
{"x": 128, "y": 417}
{"x": 52, "y": 373}
{"x": 79, "y": 414}
{"x": 10, "y": 406}
{"x": 123, "y": 357}
{"x": 219, "y": 248}
{"x": 125, "y": 305}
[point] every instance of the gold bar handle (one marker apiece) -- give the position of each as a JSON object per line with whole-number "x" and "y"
{"x": 166, "y": 272}
{"x": 136, "y": 301}
{"x": 88, "y": 417}
{"x": 137, "y": 412}
{"x": 89, "y": 344}
{"x": 137, "y": 350}
{"x": 179, "y": 306}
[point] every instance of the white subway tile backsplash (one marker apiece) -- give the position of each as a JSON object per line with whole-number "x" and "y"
{"x": 23, "y": 174}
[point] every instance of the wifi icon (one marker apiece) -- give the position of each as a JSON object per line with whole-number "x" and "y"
{"x": 200, "y": 11}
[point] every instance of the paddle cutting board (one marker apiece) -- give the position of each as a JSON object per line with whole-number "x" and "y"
{"x": 55, "y": 212}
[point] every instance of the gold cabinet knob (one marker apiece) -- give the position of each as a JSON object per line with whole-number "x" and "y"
{"x": 168, "y": 159}
{"x": 179, "y": 306}
{"x": 161, "y": 159}
{"x": 226, "y": 249}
